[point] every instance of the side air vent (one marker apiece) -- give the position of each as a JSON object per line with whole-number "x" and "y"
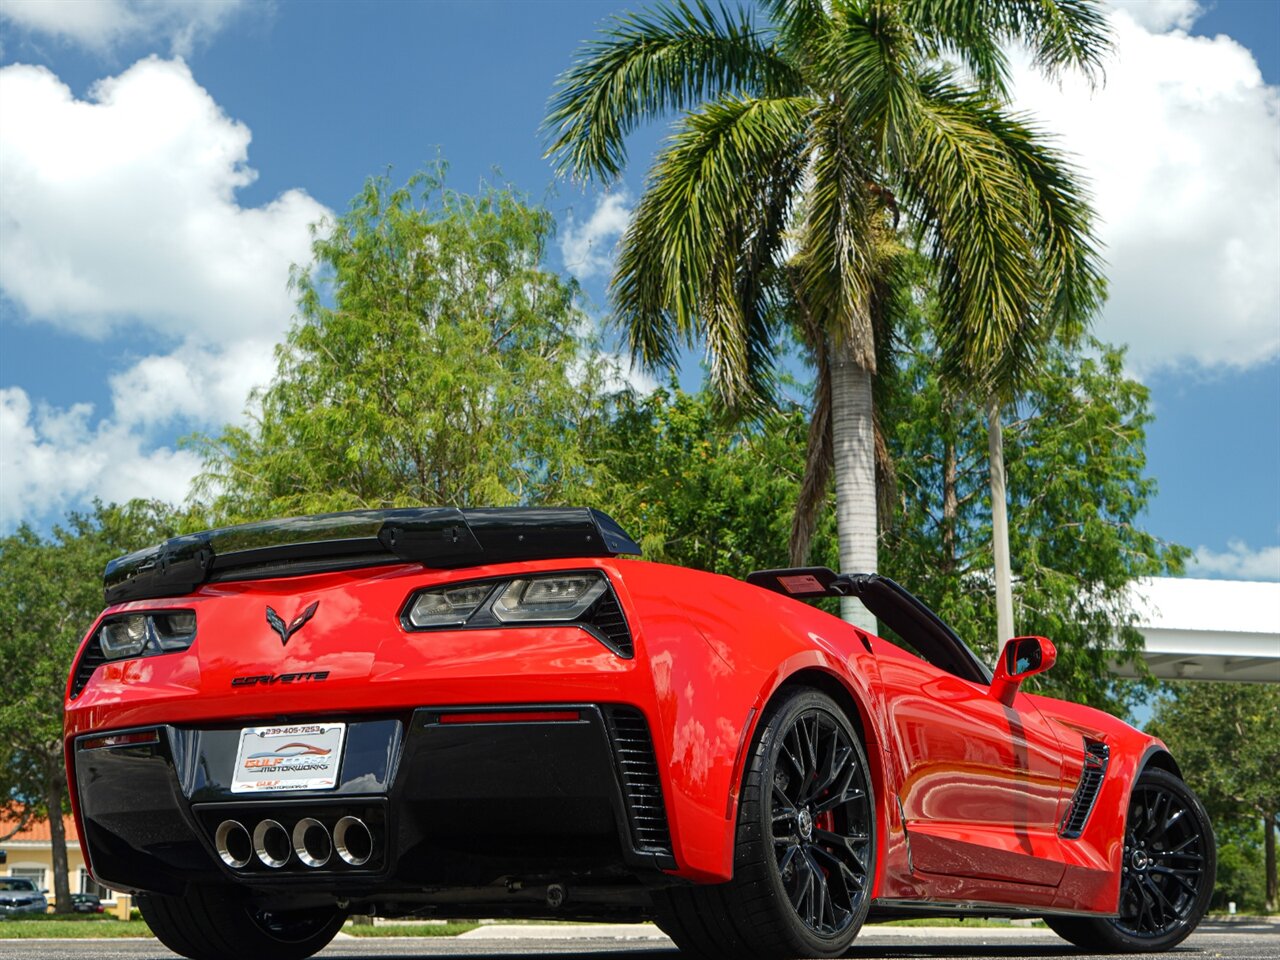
{"x": 611, "y": 625}
{"x": 92, "y": 658}
{"x": 1096, "y": 756}
{"x": 641, "y": 785}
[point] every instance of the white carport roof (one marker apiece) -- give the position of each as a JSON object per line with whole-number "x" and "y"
{"x": 1209, "y": 629}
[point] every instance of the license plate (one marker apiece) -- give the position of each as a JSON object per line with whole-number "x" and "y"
{"x": 302, "y": 756}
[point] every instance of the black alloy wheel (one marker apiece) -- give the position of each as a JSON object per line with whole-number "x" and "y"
{"x": 821, "y": 822}
{"x": 1166, "y": 873}
{"x": 804, "y": 860}
{"x": 1165, "y": 856}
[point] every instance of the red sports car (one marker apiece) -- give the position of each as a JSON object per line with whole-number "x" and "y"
{"x": 488, "y": 713}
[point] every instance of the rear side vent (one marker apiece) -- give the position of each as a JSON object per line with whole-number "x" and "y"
{"x": 641, "y": 785}
{"x": 610, "y": 625}
{"x": 1095, "y": 768}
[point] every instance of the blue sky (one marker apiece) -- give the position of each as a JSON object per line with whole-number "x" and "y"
{"x": 160, "y": 162}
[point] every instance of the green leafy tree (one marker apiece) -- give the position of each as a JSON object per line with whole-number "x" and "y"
{"x": 50, "y": 592}
{"x": 434, "y": 361}
{"x": 1076, "y": 461}
{"x": 1226, "y": 737}
{"x": 804, "y": 143}
{"x": 701, "y": 490}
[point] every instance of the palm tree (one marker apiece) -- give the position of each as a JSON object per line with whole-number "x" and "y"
{"x": 807, "y": 146}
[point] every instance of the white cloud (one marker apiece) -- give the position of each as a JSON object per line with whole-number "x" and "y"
{"x": 588, "y": 248}
{"x": 122, "y": 209}
{"x": 193, "y": 385}
{"x": 1160, "y": 15}
{"x": 102, "y": 26}
{"x": 120, "y": 212}
{"x": 54, "y": 459}
{"x": 1182, "y": 147}
{"x": 1239, "y": 562}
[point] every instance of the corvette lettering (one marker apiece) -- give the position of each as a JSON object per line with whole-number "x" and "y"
{"x": 269, "y": 679}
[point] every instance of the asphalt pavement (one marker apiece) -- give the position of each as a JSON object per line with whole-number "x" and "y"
{"x": 1210, "y": 942}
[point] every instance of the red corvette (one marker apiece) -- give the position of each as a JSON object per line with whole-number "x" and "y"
{"x": 488, "y": 713}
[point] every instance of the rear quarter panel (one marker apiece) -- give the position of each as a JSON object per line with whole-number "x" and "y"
{"x": 710, "y": 694}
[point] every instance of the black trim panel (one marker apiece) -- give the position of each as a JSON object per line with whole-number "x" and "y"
{"x": 441, "y": 537}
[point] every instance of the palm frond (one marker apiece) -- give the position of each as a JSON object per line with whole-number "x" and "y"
{"x": 1062, "y": 35}
{"x": 1072, "y": 284}
{"x": 699, "y": 254}
{"x": 650, "y": 63}
{"x": 836, "y": 251}
{"x": 980, "y": 222}
{"x": 868, "y": 61}
{"x": 1069, "y": 283}
{"x": 799, "y": 26}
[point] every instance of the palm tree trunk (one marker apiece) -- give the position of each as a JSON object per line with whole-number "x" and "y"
{"x": 854, "y": 448}
{"x": 999, "y": 525}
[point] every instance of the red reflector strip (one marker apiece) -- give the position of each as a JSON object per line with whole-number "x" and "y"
{"x": 513, "y": 716}
{"x": 121, "y": 740}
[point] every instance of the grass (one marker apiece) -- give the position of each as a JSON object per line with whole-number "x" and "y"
{"x": 74, "y": 927}
{"x": 408, "y": 929}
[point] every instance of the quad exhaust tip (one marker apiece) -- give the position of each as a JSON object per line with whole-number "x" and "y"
{"x": 271, "y": 844}
{"x": 233, "y": 844}
{"x": 311, "y": 842}
{"x": 353, "y": 841}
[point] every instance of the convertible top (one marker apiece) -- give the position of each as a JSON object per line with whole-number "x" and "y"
{"x": 440, "y": 537}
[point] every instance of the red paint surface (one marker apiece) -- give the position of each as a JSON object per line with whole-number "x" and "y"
{"x": 969, "y": 790}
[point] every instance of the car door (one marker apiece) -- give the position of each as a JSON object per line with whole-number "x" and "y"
{"x": 981, "y": 782}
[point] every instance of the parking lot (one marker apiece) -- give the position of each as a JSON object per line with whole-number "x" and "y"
{"x": 1213, "y": 942}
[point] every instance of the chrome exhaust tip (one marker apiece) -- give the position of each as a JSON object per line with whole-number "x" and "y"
{"x": 353, "y": 841}
{"x": 311, "y": 842}
{"x": 271, "y": 844}
{"x": 233, "y": 844}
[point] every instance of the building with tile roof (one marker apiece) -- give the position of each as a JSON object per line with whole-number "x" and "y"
{"x": 29, "y": 853}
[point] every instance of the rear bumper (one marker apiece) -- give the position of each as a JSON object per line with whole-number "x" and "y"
{"x": 455, "y": 798}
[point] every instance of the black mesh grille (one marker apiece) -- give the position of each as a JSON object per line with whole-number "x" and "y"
{"x": 1095, "y": 767}
{"x": 641, "y": 785}
{"x": 610, "y": 624}
{"x": 90, "y": 660}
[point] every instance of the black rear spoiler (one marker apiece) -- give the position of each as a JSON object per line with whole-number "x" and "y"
{"x": 440, "y": 537}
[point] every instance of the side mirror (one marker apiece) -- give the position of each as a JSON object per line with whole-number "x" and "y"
{"x": 1022, "y": 657}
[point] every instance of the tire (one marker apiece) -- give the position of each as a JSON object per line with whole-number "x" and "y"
{"x": 214, "y": 923}
{"x": 1167, "y": 873}
{"x": 804, "y": 858}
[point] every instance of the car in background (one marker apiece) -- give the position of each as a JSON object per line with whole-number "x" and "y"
{"x": 21, "y": 895}
{"x": 86, "y": 903}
